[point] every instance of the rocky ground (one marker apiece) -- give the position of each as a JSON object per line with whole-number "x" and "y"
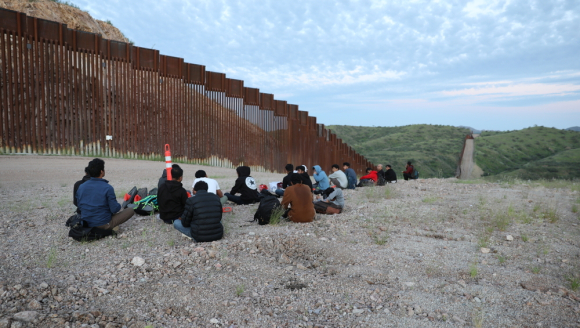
{"x": 427, "y": 253}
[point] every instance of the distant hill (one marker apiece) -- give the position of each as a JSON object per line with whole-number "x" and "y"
{"x": 574, "y": 128}
{"x": 529, "y": 153}
{"x": 433, "y": 149}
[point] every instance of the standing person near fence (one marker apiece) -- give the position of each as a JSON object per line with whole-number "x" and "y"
{"x": 97, "y": 200}
{"x": 350, "y": 175}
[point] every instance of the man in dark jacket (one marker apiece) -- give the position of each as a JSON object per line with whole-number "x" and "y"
{"x": 246, "y": 186}
{"x": 202, "y": 216}
{"x": 171, "y": 196}
{"x": 286, "y": 180}
{"x": 97, "y": 200}
{"x": 380, "y": 175}
{"x": 86, "y": 178}
{"x": 390, "y": 175}
{"x": 408, "y": 173}
{"x": 305, "y": 177}
{"x": 350, "y": 175}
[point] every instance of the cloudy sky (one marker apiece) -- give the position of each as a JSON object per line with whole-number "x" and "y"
{"x": 488, "y": 64}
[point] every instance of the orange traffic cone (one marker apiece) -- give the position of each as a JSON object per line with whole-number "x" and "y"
{"x": 168, "y": 162}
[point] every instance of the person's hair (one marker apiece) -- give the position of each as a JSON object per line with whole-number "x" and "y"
{"x": 95, "y": 167}
{"x": 335, "y": 166}
{"x": 176, "y": 172}
{"x": 381, "y": 165}
{"x": 388, "y": 165}
{"x": 295, "y": 178}
{"x": 87, "y": 170}
{"x": 289, "y": 167}
{"x": 409, "y": 163}
{"x": 200, "y": 174}
{"x": 369, "y": 169}
{"x": 327, "y": 192}
{"x": 200, "y": 185}
{"x": 346, "y": 164}
{"x": 301, "y": 168}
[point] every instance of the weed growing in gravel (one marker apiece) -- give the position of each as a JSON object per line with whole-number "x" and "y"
{"x": 536, "y": 208}
{"x": 574, "y": 282}
{"x": 276, "y": 216}
{"x": 51, "y": 260}
{"x": 477, "y": 318}
{"x": 502, "y": 220}
{"x": 525, "y": 238}
{"x": 483, "y": 240}
{"x": 550, "y": 214}
{"x": 429, "y": 200}
{"x": 389, "y": 192}
{"x": 536, "y": 269}
{"x": 501, "y": 259}
{"x": 239, "y": 290}
{"x": 473, "y": 270}
{"x": 574, "y": 208}
{"x": 380, "y": 238}
{"x": 171, "y": 243}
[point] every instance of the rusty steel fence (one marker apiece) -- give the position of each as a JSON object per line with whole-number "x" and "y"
{"x": 64, "y": 91}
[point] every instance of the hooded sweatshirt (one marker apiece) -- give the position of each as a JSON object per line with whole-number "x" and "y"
{"x": 321, "y": 178}
{"x": 372, "y": 176}
{"x": 245, "y": 185}
{"x": 171, "y": 198}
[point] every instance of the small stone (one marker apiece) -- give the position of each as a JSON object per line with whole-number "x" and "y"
{"x": 212, "y": 254}
{"x": 137, "y": 261}
{"x": 410, "y": 312}
{"x": 34, "y": 305}
{"x": 409, "y": 284}
{"x": 284, "y": 259}
{"x": 485, "y": 250}
{"x": 26, "y": 316}
{"x": 305, "y": 318}
{"x": 289, "y": 268}
{"x": 358, "y": 311}
{"x": 387, "y": 311}
{"x": 185, "y": 252}
{"x": 509, "y": 238}
{"x": 176, "y": 264}
{"x": 300, "y": 266}
{"x": 458, "y": 320}
{"x": 214, "y": 321}
{"x": 43, "y": 285}
{"x": 462, "y": 283}
{"x": 5, "y": 323}
{"x": 418, "y": 309}
{"x": 477, "y": 299}
{"x": 251, "y": 233}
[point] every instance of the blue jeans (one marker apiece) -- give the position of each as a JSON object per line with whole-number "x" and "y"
{"x": 184, "y": 230}
{"x": 236, "y": 199}
{"x": 279, "y": 192}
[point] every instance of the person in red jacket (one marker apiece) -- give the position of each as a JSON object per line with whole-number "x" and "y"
{"x": 408, "y": 173}
{"x": 369, "y": 179}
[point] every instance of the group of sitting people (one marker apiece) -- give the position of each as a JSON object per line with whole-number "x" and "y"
{"x": 197, "y": 215}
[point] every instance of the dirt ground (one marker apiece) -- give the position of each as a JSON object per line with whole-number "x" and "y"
{"x": 426, "y": 253}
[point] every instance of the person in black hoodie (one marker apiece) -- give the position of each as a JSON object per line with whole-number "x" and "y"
{"x": 305, "y": 177}
{"x": 286, "y": 180}
{"x": 202, "y": 216}
{"x": 390, "y": 175}
{"x": 77, "y": 185}
{"x": 171, "y": 196}
{"x": 246, "y": 186}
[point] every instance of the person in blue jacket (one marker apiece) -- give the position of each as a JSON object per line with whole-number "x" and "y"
{"x": 350, "y": 175}
{"x": 322, "y": 182}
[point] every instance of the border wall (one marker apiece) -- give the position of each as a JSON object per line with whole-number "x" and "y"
{"x": 69, "y": 92}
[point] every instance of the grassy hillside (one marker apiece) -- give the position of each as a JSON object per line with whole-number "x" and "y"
{"x": 533, "y": 152}
{"x": 433, "y": 149}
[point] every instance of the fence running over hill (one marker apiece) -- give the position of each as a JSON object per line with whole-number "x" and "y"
{"x": 63, "y": 91}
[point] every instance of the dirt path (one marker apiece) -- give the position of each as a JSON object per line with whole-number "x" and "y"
{"x": 407, "y": 255}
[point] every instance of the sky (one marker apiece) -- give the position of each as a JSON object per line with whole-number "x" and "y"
{"x": 495, "y": 65}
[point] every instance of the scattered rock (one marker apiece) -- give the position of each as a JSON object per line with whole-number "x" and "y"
{"x": 43, "y": 285}
{"x": 358, "y": 311}
{"x": 509, "y": 238}
{"x": 26, "y": 316}
{"x": 214, "y": 321}
{"x": 34, "y": 305}
{"x": 485, "y": 250}
{"x": 137, "y": 261}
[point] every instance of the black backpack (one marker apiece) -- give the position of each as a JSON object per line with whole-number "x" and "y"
{"x": 79, "y": 230}
{"x": 267, "y": 204}
{"x": 381, "y": 179}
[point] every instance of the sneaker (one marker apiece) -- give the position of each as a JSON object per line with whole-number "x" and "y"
{"x": 116, "y": 229}
{"x": 186, "y": 236}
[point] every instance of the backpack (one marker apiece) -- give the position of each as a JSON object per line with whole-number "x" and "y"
{"x": 381, "y": 179}
{"x": 79, "y": 230}
{"x": 267, "y": 204}
{"x": 145, "y": 206}
{"x": 415, "y": 174}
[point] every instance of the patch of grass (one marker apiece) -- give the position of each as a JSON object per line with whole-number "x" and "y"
{"x": 430, "y": 199}
{"x": 171, "y": 242}
{"x": 550, "y": 214}
{"x": 502, "y": 220}
{"x": 389, "y": 192}
{"x": 239, "y": 290}
{"x": 477, "y": 318}
{"x": 51, "y": 260}
{"x": 276, "y": 216}
{"x": 574, "y": 282}
{"x": 473, "y": 270}
{"x": 536, "y": 269}
{"x": 501, "y": 259}
{"x": 536, "y": 208}
{"x": 525, "y": 238}
{"x": 574, "y": 208}
{"x": 380, "y": 238}
{"x": 483, "y": 240}
{"x": 63, "y": 185}
{"x": 108, "y": 21}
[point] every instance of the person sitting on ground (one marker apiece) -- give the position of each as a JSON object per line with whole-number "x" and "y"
{"x": 171, "y": 196}
{"x": 163, "y": 177}
{"x": 202, "y": 217}
{"x": 305, "y": 177}
{"x": 369, "y": 179}
{"x": 350, "y": 175}
{"x": 337, "y": 177}
{"x": 299, "y": 197}
{"x": 86, "y": 178}
{"x": 213, "y": 186}
{"x": 333, "y": 198}
{"x": 408, "y": 173}
{"x": 246, "y": 186}
{"x": 286, "y": 180}
{"x": 390, "y": 175}
{"x": 380, "y": 175}
{"x": 97, "y": 200}
{"x": 320, "y": 177}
